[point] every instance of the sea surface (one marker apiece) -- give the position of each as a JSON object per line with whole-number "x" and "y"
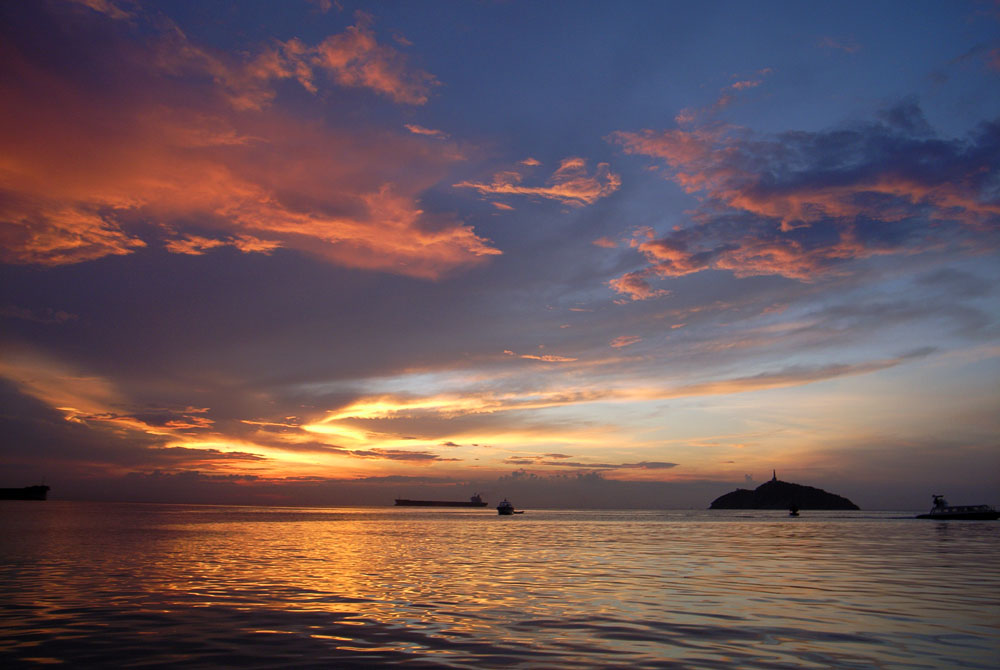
{"x": 156, "y": 586}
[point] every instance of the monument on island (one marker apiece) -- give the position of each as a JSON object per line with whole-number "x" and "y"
{"x": 777, "y": 494}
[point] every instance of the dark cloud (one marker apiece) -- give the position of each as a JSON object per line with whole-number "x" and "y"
{"x": 644, "y": 465}
{"x": 38, "y": 435}
{"x": 399, "y": 455}
{"x": 191, "y": 457}
{"x": 583, "y": 465}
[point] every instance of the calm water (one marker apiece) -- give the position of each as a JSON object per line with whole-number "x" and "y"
{"x": 117, "y": 585}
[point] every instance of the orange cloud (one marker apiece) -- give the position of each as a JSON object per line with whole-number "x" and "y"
{"x": 670, "y": 260}
{"x": 196, "y": 245}
{"x": 193, "y": 245}
{"x": 635, "y": 286}
{"x": 353, "y": 58}
{"x": 570, "y": 184}
{"x": 549, "y": 358}
{"x": 86, "y": 176}
{"x": 625, "y": 341}
{"x": 605, "y": 242}
{"x": 57, "y": 233}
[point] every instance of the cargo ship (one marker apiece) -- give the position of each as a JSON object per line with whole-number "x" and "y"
{"x": 474, "y": 501}
{"x": 26, "y": 493}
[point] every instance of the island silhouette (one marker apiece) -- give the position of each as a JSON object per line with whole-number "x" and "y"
{"x": 776, "y": 494}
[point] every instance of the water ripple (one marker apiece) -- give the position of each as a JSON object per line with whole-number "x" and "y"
{"x": 156, "y": 586}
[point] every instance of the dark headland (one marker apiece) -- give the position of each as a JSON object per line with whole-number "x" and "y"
{"x": 777, "y": 494}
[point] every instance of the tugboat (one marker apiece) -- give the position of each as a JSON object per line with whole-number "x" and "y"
{"x": 506, "y": 508}
{"x": 943, "y": 511}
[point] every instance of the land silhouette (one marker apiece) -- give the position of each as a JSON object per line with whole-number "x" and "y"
{"x": 776, "y": 494}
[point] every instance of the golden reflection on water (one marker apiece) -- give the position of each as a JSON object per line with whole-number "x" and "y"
{"x": 548, "y": 588}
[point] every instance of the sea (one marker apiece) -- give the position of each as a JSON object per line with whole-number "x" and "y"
{"x": 114, "y": 585}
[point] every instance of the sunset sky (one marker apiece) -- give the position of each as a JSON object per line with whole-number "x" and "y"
{"x": 586, "y": 253}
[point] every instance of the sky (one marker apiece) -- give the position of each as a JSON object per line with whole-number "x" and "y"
{"x": 577, "y": 254}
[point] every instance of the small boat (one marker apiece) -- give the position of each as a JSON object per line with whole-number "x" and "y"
{"x": 474, "y": 501}
{"x": 943, "y": 511}
{"x": 793, "y": 511}
{"x": 506, "y": 508}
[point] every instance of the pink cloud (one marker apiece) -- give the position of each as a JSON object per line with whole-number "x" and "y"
{"x": 570, "y": 184}
{"x": 849, "y": 45}
{"x": 773, "y": 188}
{"x": 547, "y": 358}
{"x": 755, "y": 253}
{"x": 718, "y": 162}
{"x": 420, "y": 130}
{"x": 105, "y": 7}
{"x": 690, "y": 116}
{"x": 324, "y": 5}
{"x": 679, "y": 148}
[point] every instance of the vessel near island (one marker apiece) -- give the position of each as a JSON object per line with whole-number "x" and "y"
{"x": 474, "y": 501}
{"x": 943, "y": 511}
{"x": 26, "y": 493}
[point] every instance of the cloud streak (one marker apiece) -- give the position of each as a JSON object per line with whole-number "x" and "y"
{"x": 570, "y": 184}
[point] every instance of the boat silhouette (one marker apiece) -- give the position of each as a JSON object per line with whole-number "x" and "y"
{"x": 943, "y": 511}
{"x": 27, "y": 493}
{"x": 506, "y": 508}
{"x": 474, "y": 501}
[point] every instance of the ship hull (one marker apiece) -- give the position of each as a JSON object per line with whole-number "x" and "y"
{"x": 401, "y": 502}
{"x": 963, "y": 516}
{"x": 26, "y": 493}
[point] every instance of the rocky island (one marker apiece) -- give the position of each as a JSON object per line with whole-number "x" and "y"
{"x": 777, "y": 494}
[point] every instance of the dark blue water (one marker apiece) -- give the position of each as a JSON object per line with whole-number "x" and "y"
{"x": 117, "y": 585}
